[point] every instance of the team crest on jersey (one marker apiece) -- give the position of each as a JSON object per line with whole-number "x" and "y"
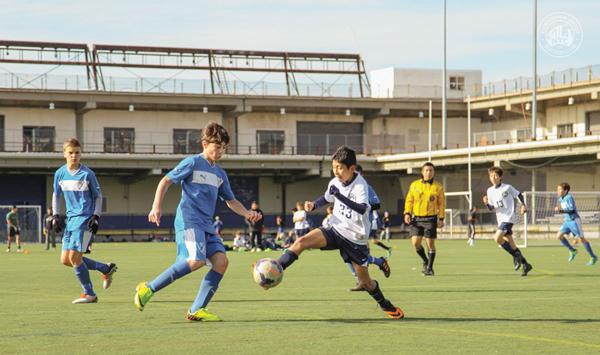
{"x": 504, "y": 194}
{"x": 80, "y": 184}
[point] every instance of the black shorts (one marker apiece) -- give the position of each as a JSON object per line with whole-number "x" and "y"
{"x": 506, "y": 227}
{"x": 12, "y": 231}
{"x": 373, "y": 234}
{"x": 424, "y": 227}
{"x": 349, "y": 251}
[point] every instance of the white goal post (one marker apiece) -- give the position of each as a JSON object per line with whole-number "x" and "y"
{"x": 541, "y": 222}
{"x": 454, "y": 224}
{"x": 30, "y": 222}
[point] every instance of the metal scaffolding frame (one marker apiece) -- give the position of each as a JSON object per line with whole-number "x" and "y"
{"x": 218, "y": 62}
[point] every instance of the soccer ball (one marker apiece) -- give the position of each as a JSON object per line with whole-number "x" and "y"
{"x": 268, "y": 273}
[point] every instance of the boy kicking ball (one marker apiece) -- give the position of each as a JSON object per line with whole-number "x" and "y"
{"x": 349, "y": 229}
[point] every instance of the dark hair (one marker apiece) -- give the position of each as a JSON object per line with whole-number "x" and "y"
{"x": 345, "y": 155}
{"x": 13, "y": 207}
{"x": 428, "y": 164}
{"x": 497, "y": 170}
{"x": 565, "y": 186}
{"x": 359, "y": 168}
{"x": 215, "y": 133}
{"x": 253, "y": 202}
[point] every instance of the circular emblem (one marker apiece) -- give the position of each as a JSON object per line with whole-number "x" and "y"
{"x": 560, "y": 34}
{"x": 504, "y": 194}
{"x": 431, "y": 198}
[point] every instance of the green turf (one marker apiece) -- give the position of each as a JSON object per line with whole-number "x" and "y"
{"x": 475, "y": 304}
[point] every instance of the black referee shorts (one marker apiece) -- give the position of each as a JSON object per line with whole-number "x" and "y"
{"x": 424, "y": 227}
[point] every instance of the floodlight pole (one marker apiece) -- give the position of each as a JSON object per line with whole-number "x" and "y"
{"x": 534, "y": 96}
{"x": 430, "y": 119}
{"x": 469, "y": 145}
{"x": 444, "y": 115}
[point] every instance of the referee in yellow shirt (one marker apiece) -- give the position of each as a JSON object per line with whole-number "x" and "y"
{"x": 424, "y": 211}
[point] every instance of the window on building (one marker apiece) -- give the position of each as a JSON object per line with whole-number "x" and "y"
{"x": 38, "y": 138}
{"x": 523, "y": 134}
{"x": 592, "y": 122}
{"x": 564, "y": 130}
{"x": 187, "y": 141}
{"x": 270, "y": 142}
{"x": 119, "y": 140}
{"x": 327, "y": 137}
{"x": 457, "y": 83}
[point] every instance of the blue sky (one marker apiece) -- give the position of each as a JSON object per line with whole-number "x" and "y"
{"x": 494, "y": 36}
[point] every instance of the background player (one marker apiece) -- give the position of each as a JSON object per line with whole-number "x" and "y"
{"x": 350, "y": 226}
{"x": 424, "y": 211}
{"x": 300, "y": 219}
{"x": 255, "y": 229}
{"x": 83, "y": 200}
{"x": 501, "y": 198}
{"x": 12, "y": 224}
{"x": 48, "y": 230}
{"x": 202, "y": 182}
{"x": 572, "y": 223}
{"x": 472, "y": 223}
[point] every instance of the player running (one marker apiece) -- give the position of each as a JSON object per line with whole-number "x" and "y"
{"x": 501, "y": 197}
{"x": 572, "y": 223}
{"x": 83, "y": 200}
{"x": 350, "y": 226}
{"x": 202, "y": 182}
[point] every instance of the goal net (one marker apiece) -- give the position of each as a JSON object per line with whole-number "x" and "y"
{"x": 30, "y": 223}
{"x": 457, "y": 214}
{"x": 541, "y": 223}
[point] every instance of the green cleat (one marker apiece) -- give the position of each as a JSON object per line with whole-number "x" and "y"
{"x": 142, "y": 295}
{"x": 389, "y": 253}
{"x": 572, "y": 255}
{"x": 202, "y": 315}
{"x": 592, "y": 261}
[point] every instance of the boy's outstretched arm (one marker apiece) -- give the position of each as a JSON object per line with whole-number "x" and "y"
{"x": 161, "y": 190}
{"x": 237, "y": 207}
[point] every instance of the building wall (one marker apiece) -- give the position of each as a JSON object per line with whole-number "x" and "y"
{"x": 16, "y": 118}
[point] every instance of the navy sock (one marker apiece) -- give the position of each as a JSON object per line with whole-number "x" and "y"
{"x": 421, "y": 253}
{"x": 383, "y": 246}
{"x": 373, "y": 260}
{"x": 377, "y": 294}
{"x": 566, "y": 243}
{"x": 351, "y": 267}
{"x": 506, "y": 246}
{"x": 588, "y": 247}
{"x": 287, "y": 258}
{"x": 83, "y": 275}
{"x": 431, "y": 259}
{"x": 519, "y": 255}
{"x": 209, "y": 286}
{"x": 176, "y": 271}
{"x": 95, "y": 265}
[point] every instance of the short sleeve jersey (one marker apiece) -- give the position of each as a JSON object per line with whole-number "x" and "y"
{"x": 503, "y": 197}
{"x": 568, "y": 203}
{"x": 303, "y": 224}
{"x": 13, "y": 218}
{"x": 201, "y": 185}
{"x": 80, "y": 191}
{"x": 347, "y": 222}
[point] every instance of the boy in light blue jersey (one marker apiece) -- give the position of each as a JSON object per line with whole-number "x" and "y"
{"x": 572, "y": 223}
{"x": 202, "y": 182}
{"x": 83, "y": 200}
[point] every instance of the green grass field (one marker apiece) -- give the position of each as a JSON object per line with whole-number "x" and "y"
{"x": 475, "y": 304}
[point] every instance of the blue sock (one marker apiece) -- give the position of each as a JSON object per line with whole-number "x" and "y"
{"x": 95, "y": 265}
{"x": 506, "y": 246}
{"x": 287, "y": 258}
{"x": 83, "y": 274}
{"x": 351, "y": 267}
{"x": 176, "y": 271}
{"x": 209, "y": 286}
{"x": 566, "y": 243}
{"x": 588, "y": 247}
{"x": 373, "y": 260}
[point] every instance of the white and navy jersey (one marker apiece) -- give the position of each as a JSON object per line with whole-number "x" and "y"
{"x": 201, "y": 184}
{"x": 81, "y": 190}
{"x": 567, "y": 203}
{"x": 347, "y": 222}
{"x": 303, "y": 224}
{"x": 502, "y": 198}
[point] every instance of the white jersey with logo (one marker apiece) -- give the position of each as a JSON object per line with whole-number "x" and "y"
{"x": 347, "y": 222}
{"x": 303, "y": 224}
{"x": 503, "y": 197}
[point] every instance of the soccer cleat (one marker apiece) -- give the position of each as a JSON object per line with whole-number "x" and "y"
{"x": 108, "y": 277}
{"x": 8, "y": 250}
{"x": 358, "y": 287}
{"x": 202, "y": 315}
{"x": 86, "y": 299}
{"x": 391, "y": 310}
{"x": 526, "y": 269}
{"x": 572, "y": 255}
{"x": 424, "y": 270}
{"x": 592, "y": 261}
{"x": 385, "y": 268}
{"x": 429, "y": 272}
{"x": 389, "y": 253}
{"x": 19, "y": 250}
{"x": 142, "y": 295}
{"x": 517, "y": 263}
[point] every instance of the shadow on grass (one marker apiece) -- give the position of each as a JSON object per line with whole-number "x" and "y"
{"x": 423, "y": 321}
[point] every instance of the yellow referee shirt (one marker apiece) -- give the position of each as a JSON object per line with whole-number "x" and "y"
{"x": 426, "y": 198}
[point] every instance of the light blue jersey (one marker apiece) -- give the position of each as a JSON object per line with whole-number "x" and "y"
{"x": 81, "y": 191}
{"x": 567, "y": 203}
{"x": 373, "y": 200}
{"x": 201, "y": 184}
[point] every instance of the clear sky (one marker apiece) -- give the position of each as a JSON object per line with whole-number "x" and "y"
{"x": 494, "y": 36}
